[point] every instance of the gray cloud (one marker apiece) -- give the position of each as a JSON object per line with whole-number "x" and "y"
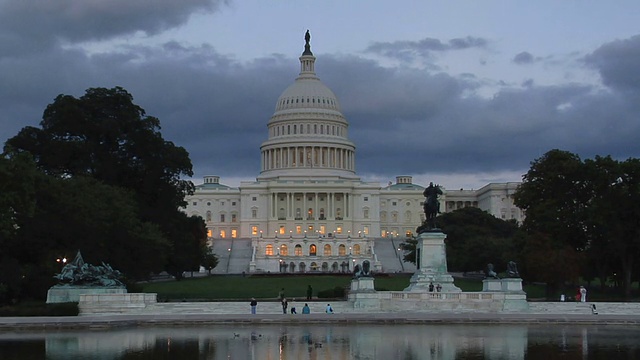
{"x": 408, "y": 50}
{"x": 617, "y": 63}
{"x": 523, "y": 58}
{"x": 402, "y": 120}
{"x": 35, "y": 26}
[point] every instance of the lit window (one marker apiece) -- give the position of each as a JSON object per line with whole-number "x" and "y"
{"x": 269, "y": 250}
{"x": 298, "y": 250}
{"x": 327, "y": 250}
{"x": 342, "y": 250}
{"x": 284, "y": 250}
{"x": 254, "y": 230}
{"x": 339, "y": 230}
{"x": 281, "y": 229}
{"x": 356, "y": 249}
{"x": 234, "y": 233}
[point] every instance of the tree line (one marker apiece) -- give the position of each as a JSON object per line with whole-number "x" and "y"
{"x": 582, "y": 222}
{"x": 96, "y": 176}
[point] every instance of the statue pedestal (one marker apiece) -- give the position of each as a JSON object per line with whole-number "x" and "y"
{"x": 491, "y": 285}
{"x": 431, "y": 263}
{"x": 363, "y": 294}
{"x": 362, "y": 284}
{"x": 62, "y": 294}
{"x": 512, "y": 285}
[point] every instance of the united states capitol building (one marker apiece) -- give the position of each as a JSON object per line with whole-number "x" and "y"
{"x": 308, "y": 210}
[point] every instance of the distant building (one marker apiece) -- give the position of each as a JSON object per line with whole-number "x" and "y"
{"x": 308, "y": 210}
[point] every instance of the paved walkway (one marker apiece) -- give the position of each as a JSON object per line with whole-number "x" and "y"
{"x": 269, "y": 313}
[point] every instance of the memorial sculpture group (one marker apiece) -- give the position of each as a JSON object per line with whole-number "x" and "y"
{"x": 78, "y": 277}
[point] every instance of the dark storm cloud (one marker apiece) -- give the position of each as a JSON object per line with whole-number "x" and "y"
{"x": 523, "y": 58}
{"x": 618, "y": 63}
{"x": 402, "y": 120}
{"x": 35, "y": 25}
{"x": 408, "y": 50}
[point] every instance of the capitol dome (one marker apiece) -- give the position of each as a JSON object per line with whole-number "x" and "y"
{"x": 307, "y": 132}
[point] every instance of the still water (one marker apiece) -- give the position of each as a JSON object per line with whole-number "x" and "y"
{"x": 248, "y": 342}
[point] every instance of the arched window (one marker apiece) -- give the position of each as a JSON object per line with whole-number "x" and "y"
{"x": 284, "y": 250}
{"x": 208, "y": 215}
{"x": 297, "y": 250}
{"x": 325, "y": 267}
{"x": 302, "y": 267}
{"x": 313, "y": 266}
{"x": 312, "y": 250}
{"x": 292, "y": 267}
{"x": 342, "y": 250}
{"x": 269, "y": 250}
{"x": 356, "y": 249}
{"x": 327, "y": 250}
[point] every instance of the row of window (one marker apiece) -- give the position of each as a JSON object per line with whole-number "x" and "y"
{"x": 283, "y": 250}
{"x": 294, "y": 129}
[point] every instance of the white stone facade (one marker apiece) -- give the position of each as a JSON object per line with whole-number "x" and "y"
{"x": 308, "y": 201}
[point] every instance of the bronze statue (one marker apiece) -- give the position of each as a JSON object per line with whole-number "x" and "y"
{"x": 431, "y": 207}
{"x": 490, "y": 273}
{"x": 307, "y": 37}
{"x": 79, "y": 273}
{"x": 512, "y": 270}
{"x": 307, "y": 45}
{"x": 362, "y": 271}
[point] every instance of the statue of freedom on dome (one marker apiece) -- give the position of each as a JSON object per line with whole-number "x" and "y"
{"x": 307, "y": 37}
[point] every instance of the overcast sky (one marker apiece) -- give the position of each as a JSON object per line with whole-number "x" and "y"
{"x": 461, "y": 93}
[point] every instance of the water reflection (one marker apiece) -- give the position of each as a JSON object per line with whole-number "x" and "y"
{"x": 330, "y": 342}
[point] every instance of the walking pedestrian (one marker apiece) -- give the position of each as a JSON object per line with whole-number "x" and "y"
{"x": 285, "y": 304}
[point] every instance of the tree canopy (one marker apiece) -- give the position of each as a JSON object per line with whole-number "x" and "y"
{"x": 96, "y": 176}
{"x": 582, "y": 212}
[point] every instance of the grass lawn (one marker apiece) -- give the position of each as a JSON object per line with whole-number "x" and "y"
{"x": 267, "y": 287}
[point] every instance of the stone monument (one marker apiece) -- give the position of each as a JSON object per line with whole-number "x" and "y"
{"x": 431, "y": 254}
{"x": 78, "y": 277}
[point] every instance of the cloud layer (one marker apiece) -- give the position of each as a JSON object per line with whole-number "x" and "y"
{"x": 403, "y": 119}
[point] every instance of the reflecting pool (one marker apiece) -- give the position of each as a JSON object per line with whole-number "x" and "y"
{"x": 247, "y": 342}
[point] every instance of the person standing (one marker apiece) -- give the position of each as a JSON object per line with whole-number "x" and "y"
{"x": 285, "y": 304}
{"x": 431, "y": 287}
{"x": 254, "y": 305}
{"x": 305, "y": 309}
{"x": 583, "y": 294}
{"x": 309, "y": 292}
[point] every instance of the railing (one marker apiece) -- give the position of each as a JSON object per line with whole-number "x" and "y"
{"x": 445, "y": 296}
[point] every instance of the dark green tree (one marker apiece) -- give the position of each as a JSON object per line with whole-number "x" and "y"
{"x": 210, "y": 260}
{"x": 18, "y": 176}
{"x": 189, "y": 245}
{"x": 474, "y": 239}
{"x": 103, "y": 135}
{"x": 614, "y": 231}
{"x": 554, "y": 196}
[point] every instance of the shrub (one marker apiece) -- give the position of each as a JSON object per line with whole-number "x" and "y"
{"x": 336, "y": 292}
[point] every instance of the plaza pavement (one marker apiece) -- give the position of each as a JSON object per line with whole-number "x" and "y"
{"x": 271, "y": 313}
